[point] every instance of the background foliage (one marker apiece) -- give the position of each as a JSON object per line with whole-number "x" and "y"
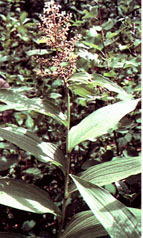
{"x": 108, "y": 70}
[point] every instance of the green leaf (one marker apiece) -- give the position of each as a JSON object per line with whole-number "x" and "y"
{"x": 28, "y": 225}
{"x": 117, "y": 220}
{"x": 83, "y": 90}
{"x": 4, "y": 58}
{"x": 30, "y": 142}
{"x": 81, "y": 84}
{"x": 84, "y": 84}
{"x": 91, "y": 14}
{"x": 94, "y": 46}
{"x": 111, "y": 86}
{"x": 23, "y": 16}
{"x": 112, "y": 171}
{"x": 10, "y": 235}
{"x": 5, "y": 162}
{"x": 19, "y": 102}
{"x": 108, "y": 25}
{"x": 100, "y": 122}
{"x": 82, "y": 77}
{"x": 85, "y": 224}
{"x": 27, "y": 197}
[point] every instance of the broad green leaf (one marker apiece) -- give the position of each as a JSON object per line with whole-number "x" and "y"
{"x": 84, "y": 83}
{"x": 85, "y": 224}
{"x": 30, "y": 142}
{"x": 83, "y": 90}
{"x": 19, "y": 102}
{"x": 112, "y": 171}
{"x": 10, "y": 235}
{"x": 27, "y": 197}
{"x": 82, "y": 77}
{"x": 111, "y": 86}
{"x": 100, "y": 122}
{"x": 117, "y": 220}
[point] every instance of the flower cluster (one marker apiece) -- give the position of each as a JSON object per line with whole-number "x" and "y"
{"x": 55, "y": 27}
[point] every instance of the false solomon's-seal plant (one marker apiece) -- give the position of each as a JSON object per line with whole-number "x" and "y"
{"x": 106, "y": 215}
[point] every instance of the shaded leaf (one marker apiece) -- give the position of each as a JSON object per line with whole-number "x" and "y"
{"x": 27, "y": 197}
{"x": 112, "y": 214}
{"x": 111, "y": 86}
{"x": 19, "y": 102}
{"x": 112, "y": 171}
{"x": 6, "y": 162}
{"x": 30, "y": 142}
{"x": 100, "y": 122}
{"x": 10, "y": 235}
{"x": 28, "y": 225}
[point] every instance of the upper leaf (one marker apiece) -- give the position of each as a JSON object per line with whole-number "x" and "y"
{"x": 111, "y": 171}
{"x": 111, "y": 86}
{"x": 84, "y": 85}
{"x": 27, "y": 197}
{"x": 112, "y": 214}
{"x": 19, "y": 102}
{"x": 100, "y": 122}
{"x": 30, "y": 142}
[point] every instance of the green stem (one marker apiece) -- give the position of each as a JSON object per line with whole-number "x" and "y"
{"x": 66, "y": 192}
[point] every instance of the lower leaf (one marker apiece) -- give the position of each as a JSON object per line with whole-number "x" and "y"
{"x": 117, "y": 220}
{"x": 85, "y": 224}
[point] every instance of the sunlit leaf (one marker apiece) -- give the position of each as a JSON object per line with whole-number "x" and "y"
{"x": 19, "y": 102}
{"x": 27, "y": 197}
{"x": 84, "y": 84}
{"x": 85, "y": 224}
{"x": 111, "y": 171}
{"x": 82, "y": 77}
{"x": 23, "y": 16}
{"x": 117, "y": 220}
{"x": 83, "y": 90}
{"x": 94, "y": 46}
{"x": 30, "y": 142}
{"x": 100, "y": 122}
